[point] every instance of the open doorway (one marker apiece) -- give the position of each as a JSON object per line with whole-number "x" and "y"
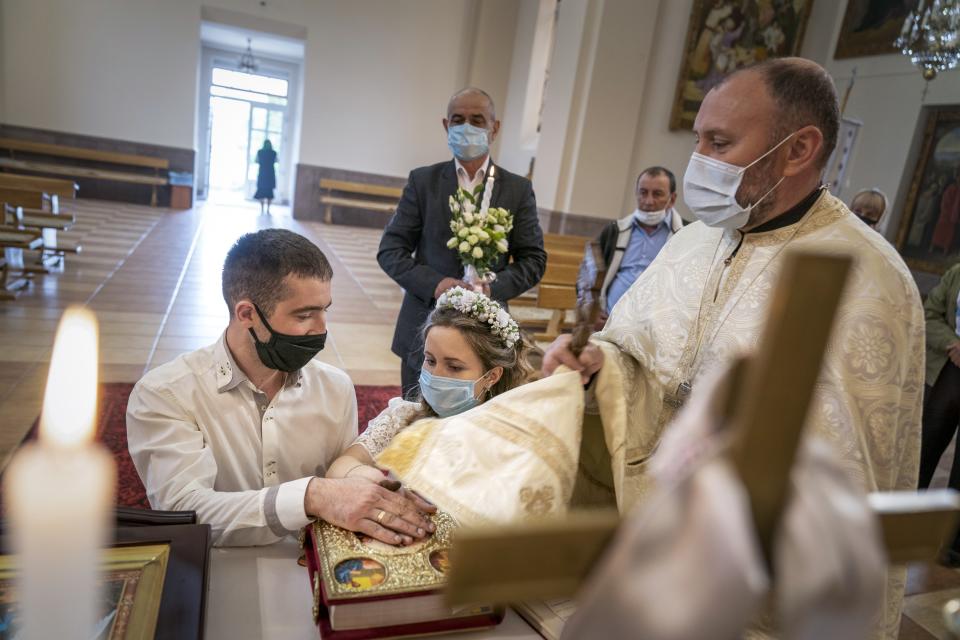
{"x": 246, "y": 109}
{"x": 241, "y": 109}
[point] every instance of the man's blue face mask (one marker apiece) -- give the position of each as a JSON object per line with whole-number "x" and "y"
{"x": 448, "y": 396}
{"x": 467, "y": 142}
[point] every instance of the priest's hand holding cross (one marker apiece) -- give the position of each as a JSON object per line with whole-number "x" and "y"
{"x": 559, "y": 353}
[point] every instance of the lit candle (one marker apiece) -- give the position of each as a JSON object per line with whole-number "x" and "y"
{"x": 59, "y": 494}
{"x": 487, "y": 193}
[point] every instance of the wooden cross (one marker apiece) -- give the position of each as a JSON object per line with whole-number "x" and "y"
{"x": 593, "y": 271}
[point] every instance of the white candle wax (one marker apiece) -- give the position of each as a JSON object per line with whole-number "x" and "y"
{"x": 59, "y": 493}
{"x": 487, "y": 192}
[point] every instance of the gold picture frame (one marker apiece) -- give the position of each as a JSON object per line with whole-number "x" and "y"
{"x": 132, "y": 579}
{"x": 721, "y": 38}
{"x": 870, "y": 27}
{"x": 929, "y": 233}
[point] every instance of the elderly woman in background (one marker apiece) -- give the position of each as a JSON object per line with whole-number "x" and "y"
{"x": 869, "y": 205}
{"x": 941, "y": 413}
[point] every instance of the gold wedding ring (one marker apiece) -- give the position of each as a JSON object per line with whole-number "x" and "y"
{"x": 380, "y": 516}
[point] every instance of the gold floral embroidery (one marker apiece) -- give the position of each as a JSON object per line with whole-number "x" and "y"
{"x": 869, "y": 350}
{"x": 537, "y": 502}
{"x": 408, "y": 442}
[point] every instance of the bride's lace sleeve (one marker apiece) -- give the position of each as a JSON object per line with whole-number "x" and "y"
{"x": 380, "y": 431}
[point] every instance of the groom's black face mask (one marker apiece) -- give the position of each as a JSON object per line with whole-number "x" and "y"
{"x": 285, "y": 352}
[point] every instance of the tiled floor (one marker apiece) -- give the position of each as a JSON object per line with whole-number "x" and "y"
{"x": 153, "y": 278}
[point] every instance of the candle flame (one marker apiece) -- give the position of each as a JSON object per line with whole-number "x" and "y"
{"x": 70, "y": 401}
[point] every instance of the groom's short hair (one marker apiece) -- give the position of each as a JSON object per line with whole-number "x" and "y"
{"x": 258, "y": 263}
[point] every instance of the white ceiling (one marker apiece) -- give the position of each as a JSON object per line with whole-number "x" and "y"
{"x": 263, "y": 44}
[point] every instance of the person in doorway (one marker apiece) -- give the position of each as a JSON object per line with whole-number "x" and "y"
{"x": 266, "y": 176}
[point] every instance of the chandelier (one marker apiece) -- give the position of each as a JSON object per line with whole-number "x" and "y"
{"x": 931, "y": 36}
{"x": 248, "y": 64}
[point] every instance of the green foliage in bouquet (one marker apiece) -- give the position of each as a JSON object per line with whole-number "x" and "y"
{"x": 479, "y": 239}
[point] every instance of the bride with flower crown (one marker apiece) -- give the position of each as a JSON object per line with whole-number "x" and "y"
{"x": 473, "y": 351}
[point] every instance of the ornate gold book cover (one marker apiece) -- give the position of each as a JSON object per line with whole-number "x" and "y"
{"x": 353, "y": 565}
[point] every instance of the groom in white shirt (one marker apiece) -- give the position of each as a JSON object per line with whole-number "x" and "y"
{"x": 242, "y": 431}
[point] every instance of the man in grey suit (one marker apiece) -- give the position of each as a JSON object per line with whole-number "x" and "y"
{"x": 413, "y": 249}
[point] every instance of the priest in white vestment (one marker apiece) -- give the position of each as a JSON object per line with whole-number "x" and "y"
{"x": 763, "y": 138}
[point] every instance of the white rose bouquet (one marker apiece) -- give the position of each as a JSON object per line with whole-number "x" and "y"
{"x": 479, "y": 237}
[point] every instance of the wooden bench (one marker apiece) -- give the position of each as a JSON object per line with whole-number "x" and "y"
{"x": 16, "y": 241}
{"x": 30, "y": 198}
{"x": 557, "y": 290}
{"x": 37, "y": 218}
{"x": 351, "y": 195}
{"x": 54, "y": 186}
{"x": 160, "y": 166}
{"x": 37, "y": 210}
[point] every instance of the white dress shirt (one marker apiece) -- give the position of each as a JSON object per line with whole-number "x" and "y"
{"x": 204, "y": 438}
{"x": 463, "y": 178}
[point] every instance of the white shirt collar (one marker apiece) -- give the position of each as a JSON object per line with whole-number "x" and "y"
{"x": 230, "y": 375}
{"x": 481, "y": 172}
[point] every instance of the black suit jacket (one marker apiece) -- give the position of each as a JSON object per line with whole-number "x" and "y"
{"x": 413, "y": 249}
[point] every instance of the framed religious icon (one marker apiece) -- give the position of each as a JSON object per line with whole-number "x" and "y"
{"x": 131, "y": 586}
{"x": 929, "y": 235}
{"x": 870, "y": 27}
{"x": 726, "y": 35}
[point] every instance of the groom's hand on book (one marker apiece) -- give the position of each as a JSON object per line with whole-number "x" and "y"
{"x": 357, "y": 504}
{"x": 558, "y": 353}
{"x": 391, "y": 482}
{"x": 424, "y": 505}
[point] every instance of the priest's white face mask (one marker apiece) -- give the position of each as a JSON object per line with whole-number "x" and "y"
{"x": 711, "y": 186}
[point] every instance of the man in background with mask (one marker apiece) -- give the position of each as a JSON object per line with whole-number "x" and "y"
{"x": 630, "y": 244}
{"x": 413, "y": 250}
{"x": 763, "y": 137}
{"x": 242, "y": 431}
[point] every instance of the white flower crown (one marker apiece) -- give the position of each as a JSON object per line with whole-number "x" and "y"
{"x": 484, "y": 309}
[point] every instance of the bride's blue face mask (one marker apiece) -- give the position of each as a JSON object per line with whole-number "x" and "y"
{"x": 448, "y": 396}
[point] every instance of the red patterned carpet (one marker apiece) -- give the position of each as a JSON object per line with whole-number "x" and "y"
{"x": 112, "y": 431}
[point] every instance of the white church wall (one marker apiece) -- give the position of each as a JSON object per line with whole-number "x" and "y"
{"x": 528, "y": 69}
{"x": 655, "y": 143}
{"x": 492, "y": 55}
{"x": 105, "y": 68}
{"x": 378, "y": 74}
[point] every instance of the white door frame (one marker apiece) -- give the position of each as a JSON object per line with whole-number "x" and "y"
{"x": 290, "y": 71}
